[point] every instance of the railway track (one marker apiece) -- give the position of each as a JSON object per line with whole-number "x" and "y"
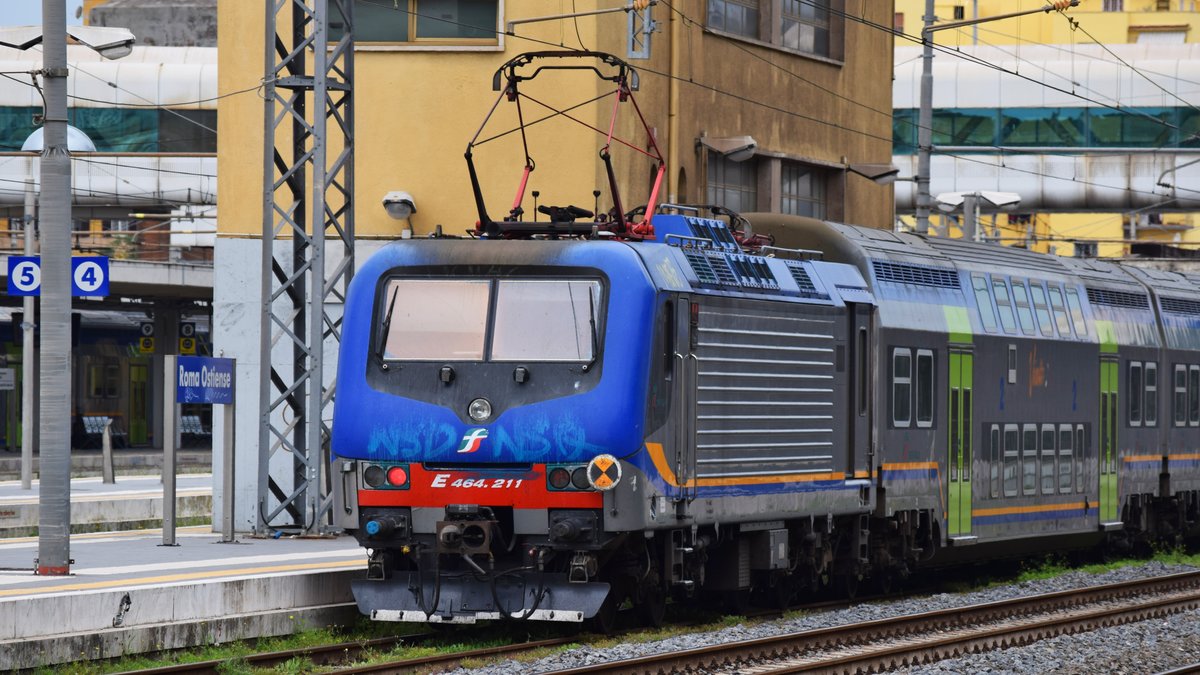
{"x": 926, "y": 637}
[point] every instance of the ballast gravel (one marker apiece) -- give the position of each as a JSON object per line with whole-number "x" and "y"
{"x": 1145, "y": 647}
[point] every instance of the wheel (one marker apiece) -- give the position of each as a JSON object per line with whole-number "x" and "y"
{"x": 653, "y": 606}
{"x": 849, "y": 584}
{"x": 605, "y": 620}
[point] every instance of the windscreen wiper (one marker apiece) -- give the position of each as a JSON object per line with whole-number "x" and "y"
{"x": 595, "y": 337}
{"x": 386, "y": 328}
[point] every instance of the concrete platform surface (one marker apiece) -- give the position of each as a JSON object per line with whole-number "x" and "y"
{"x": 128, "y": 594}
{"x": 90, "y": 462}
{"x": 133, "y": 501}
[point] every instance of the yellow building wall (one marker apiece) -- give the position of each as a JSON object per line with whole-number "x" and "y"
{"x": 1053, "y": 27}
{"x": 416, "y": 111}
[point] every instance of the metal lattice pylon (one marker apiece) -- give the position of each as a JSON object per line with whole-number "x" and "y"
{"x": 308, "y": 185}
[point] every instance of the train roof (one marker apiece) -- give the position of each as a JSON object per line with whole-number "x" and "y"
{"x": 1130, "y": 302}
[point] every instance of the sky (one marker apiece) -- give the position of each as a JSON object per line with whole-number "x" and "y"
{"x": 29, "y": 12}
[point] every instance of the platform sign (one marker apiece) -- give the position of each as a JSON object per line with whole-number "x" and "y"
{"x": 199, "y": 379}
{"x": 187, "y": 346}
{"x": 89, "y": 275}
{"x": 146, "y": 345}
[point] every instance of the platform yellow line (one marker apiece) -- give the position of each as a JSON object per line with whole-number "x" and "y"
{"x": 187, "y": 576}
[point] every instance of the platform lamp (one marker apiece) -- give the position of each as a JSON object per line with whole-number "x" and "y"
{"x": 54, "y": 207}
{"x": 971, "y": 202}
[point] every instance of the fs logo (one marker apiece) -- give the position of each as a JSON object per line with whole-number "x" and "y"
{"x": 472, "y": 440}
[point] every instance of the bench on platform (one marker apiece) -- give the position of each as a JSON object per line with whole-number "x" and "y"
{"x": 192, "y": 430}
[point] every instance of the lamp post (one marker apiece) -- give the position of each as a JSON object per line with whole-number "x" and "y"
{"x": 54, "y": 207}
{"x": 925, "y": 115}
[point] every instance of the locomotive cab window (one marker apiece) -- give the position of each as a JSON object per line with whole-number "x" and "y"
{"x": 556, "y": 320}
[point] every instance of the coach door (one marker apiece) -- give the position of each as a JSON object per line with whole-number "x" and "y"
{"x": 959, "y": 443}
{"x": 1107, "y": 448}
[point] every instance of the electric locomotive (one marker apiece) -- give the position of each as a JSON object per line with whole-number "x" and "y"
{"x": 552, "y": 418}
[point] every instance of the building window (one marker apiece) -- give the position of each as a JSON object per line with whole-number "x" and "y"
{"x": 1114, "y": 5}
{"x": 959, "y": 12}
{"x": 898, "y": 22}
{"x": 731, "y": 184}
{"x": 901, "y": 387}
{"x": 802, "y": 190}
{"x": 739, "y": 17}
{"x": 805, "y": 26}
{"x": 432, "y": 22}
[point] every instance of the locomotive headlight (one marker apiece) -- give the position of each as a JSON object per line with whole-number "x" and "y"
{"x": 480, "y": 410}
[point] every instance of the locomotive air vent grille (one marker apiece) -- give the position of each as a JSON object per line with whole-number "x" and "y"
{"x": 699, "y": 263}
{"x": 720, "y": 267}
{"x": 1103, "y": 296}
{"x": 1181, "y": 306}
{"x": 903, "y": 273}
{"x": 802, "y": 279}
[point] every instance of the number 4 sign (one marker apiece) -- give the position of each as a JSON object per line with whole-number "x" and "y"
{"x": 89, "y": 275}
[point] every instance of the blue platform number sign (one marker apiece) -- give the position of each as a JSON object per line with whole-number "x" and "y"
{"x": 89, "y": 275}
{"x": 24, "y": 275}
{"x": 200, "y": 379}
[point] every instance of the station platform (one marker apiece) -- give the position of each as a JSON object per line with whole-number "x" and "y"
{"x": 132, "y": 461}
{"x": 132, "y": 502}
{"x": 128, "y": 594}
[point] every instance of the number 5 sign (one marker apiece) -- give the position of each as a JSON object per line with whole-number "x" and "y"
{"x": 89, "y": 275}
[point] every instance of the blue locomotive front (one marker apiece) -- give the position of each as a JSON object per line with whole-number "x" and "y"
{"x": 477, "y": 383}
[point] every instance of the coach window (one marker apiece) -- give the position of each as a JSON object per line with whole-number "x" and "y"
{"x": 1080, "y": 456}
{"x": 1012, "y": 451}
{"x": 1040, "y": 308}
{"x": 1134, "y": 393}
{"x": 1065, "y": 456}
{"x": 1004, "y": 306}
{"x": 1029, "y": 442}
{"x": 901, "y": 387}
{"x": 1193, "y": 396}
{"x": 1048, "y": 452}
{"x": 924, "y": 388}
{"x": 1060, "y": 312}
{"x": 1021, "y": 298}
{"x": 994, "y": 460}
{"x": 1077, "y": 312}
{"x": 1150, "y": 381}
{"x": 983, "y": 299}
{"x": 1180, "y": 395}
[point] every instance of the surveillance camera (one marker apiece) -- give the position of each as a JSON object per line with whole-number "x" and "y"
{"x": 399, "y": 204}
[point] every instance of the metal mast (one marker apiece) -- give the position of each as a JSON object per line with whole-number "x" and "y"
{"x": 308, "y": 189}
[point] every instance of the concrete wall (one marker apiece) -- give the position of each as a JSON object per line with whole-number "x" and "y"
{"x": 236, "y": 333}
